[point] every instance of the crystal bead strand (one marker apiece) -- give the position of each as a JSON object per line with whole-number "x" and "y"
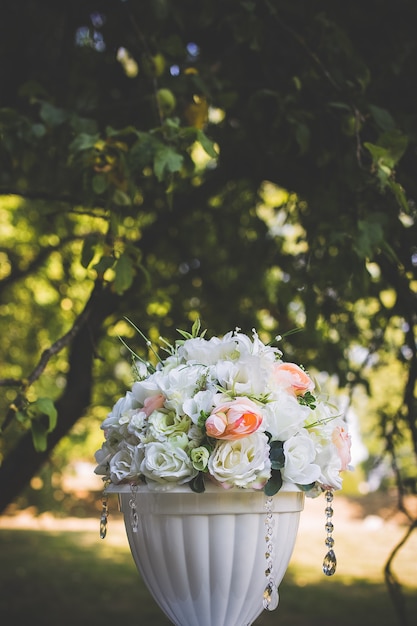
{"x": 134, "y": 520}
{"x": 271, "y": 596}
{"x": 330, "y": 562}
{"x": 104, "y": 516}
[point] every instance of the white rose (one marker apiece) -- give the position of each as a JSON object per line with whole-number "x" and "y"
{"x": 118, "y": 418}
{"x": 179, "y": 441}
{"x": 242, "y": 462}
{"x": 137, "y": 424}
{"x": 183, "y": 383}
{"x": 103, "y": 457}
{"x": 207, "y": 352}
{"x": 142, "y": 389}
{"x": 164, "y": 463}
{"x": 163, "y": 424}
{"x": 124, "y": 466}
{"x": 284, "y": 416}
{"x": 244, "y": 377}
{"x": 300, "y": 453}
{"x": 329, "y": 461}
{"x": 202, "y": 402}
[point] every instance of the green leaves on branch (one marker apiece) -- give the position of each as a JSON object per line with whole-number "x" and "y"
{"x": 116, "y": 169}
{"x": 386, "y": 155}
{"x": 124, "y": 273}
{"x": 117, "y": 165}
{"x": 43, "y": 417}
{"x": 370, "y": 235}
{"x": 123, "y": 263}
{"x": 166, "y": 161}
{"x": 124, "y": 269}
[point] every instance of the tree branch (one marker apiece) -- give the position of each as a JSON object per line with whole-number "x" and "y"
{"x": 46, "y": 355}
{"x": 18, "y": 274}
{"x": 394, "y": 586}
{"x": 24, "y": 461}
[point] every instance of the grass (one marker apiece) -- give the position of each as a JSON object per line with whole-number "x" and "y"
{"x": 73, "y": 578}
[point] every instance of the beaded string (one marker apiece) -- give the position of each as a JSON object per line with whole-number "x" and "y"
{"x": 103, "y": 518}
{"x": 134, "y": 519}
{"x": 270, "y": 596}
{"x": 330, "y": 561}
{"x": 104, "y": 513}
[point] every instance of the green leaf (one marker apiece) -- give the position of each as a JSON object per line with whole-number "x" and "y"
{"x": 38, "y": 130}
{"x": 382, "y": 117}
{"x": 276, "y": 454}
{"x": 45, "y": 406}
{"x": 104, "y": 264}
{"x": 341, "y": 105}
{"x": 306, "y": 487}
{"x": 196, "y": 327}
{"x": 370, "y": 236}
{"x": 124, "y": 274}
{"x": 390, "y": 148}
{"x": 307, "y": 400}
{"x": 378, "y": 153}
{"x": 274, "y": 484}
{"x": 39, "y": 436}
{"x": 52, "y": 115}
{"x": 207, "y": 144}
{"x": 121, "y": 198}
{"x": 37, "y": 411}
{"x": 88, "y": 250}
{"x": 84, "y": 141}
{"x": 143, "y": 151}
{"x": 167, "y": 161}
{"x": 99, "y": 183}
{"x": 197, "y": 483}
{"x": 400, "y": 196}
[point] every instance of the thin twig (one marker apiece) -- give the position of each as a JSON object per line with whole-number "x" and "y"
{"x": 392, "y": 582}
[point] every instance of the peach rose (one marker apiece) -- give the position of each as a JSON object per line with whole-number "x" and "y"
{"x": 292, "y": 376}
{"x": 234, "y": 420}
{"x": 342, "y": 441}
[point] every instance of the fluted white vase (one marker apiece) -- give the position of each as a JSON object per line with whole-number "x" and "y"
{"x": 203, "y": 556}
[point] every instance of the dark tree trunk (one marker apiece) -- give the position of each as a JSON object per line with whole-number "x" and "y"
{"x": 24, "y": 461}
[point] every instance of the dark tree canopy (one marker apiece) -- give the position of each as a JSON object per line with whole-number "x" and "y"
{"x": 248, "y": 163}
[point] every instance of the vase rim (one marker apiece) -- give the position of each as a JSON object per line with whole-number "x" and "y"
{"x": 214, "y": 501}
{"x": 209, "y": 488}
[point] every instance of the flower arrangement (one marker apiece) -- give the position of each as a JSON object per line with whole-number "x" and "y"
{"x": 227, "y": 410}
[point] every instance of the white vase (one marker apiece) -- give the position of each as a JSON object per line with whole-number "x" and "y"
{"x": 202, "y": 556}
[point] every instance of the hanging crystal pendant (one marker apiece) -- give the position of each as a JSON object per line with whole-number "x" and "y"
{"x": 330, "y": 561}
{"x": 271, "y": 597}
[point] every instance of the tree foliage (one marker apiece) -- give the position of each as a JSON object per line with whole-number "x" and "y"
{"x": 248, "y": 163}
